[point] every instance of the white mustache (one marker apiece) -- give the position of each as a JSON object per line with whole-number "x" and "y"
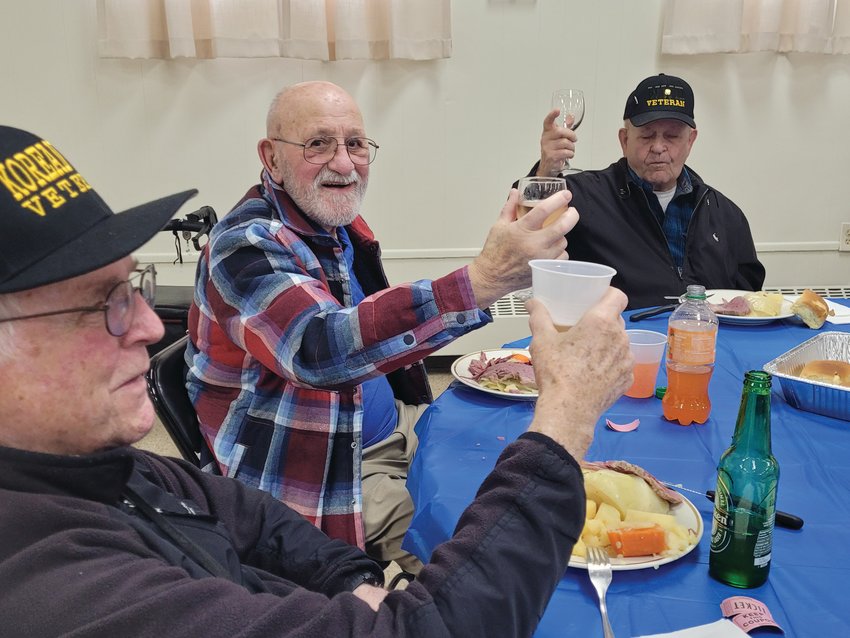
{"x": 327, "y": 176}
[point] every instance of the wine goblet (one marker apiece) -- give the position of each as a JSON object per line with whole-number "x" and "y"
{"x": 570, "y": 102}
{"x": 533, "y": 190}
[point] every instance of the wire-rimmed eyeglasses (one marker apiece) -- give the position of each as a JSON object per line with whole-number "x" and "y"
{"x": 321, "y": 149}
{"x": 118, "y": 308}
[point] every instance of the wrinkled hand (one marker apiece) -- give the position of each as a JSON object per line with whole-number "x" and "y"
{"x": 502, "y": 266}
{"x": 579, "y": 373}
{"x": 557, "y": 145}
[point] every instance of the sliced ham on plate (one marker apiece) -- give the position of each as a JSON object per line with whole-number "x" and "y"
{"x": 736, "y": 307}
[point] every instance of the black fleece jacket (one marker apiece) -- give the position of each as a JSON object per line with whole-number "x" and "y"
{"x": 79, "y": 558}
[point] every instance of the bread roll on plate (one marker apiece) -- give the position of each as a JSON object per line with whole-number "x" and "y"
{"x": 811, "y": 308}
{"x": 827, "y": 371}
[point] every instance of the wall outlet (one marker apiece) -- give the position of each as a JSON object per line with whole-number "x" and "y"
{"x": 844, "y": 239}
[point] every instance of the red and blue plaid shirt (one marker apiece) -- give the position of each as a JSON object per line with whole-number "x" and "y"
{"x": 277, "y": 352}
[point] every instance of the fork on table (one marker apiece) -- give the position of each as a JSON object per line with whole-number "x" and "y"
{"x": 599, "y": 570}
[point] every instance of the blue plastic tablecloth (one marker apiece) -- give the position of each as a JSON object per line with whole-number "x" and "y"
{"x": 462, "y": 434}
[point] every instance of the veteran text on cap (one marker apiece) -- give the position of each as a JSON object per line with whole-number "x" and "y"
{"x": 54, "y": 225}
{"x": 661, "y": 97}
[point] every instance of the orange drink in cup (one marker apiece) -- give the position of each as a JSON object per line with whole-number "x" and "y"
{"x": 648, "y": 350}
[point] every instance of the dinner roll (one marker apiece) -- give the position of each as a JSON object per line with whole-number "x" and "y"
{"x": 811, "y": 308}
{"x": 827, "y": 371}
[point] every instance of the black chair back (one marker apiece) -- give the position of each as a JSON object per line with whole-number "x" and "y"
{"x": 167, "y": 390}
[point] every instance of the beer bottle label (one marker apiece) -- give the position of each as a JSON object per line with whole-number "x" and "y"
{"x": 745, "y": 532}
{"x": 721, "y": 524}
{"x": 764, "y": 543}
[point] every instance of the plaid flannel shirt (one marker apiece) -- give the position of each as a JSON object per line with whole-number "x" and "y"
{"x": 277, "y": 353}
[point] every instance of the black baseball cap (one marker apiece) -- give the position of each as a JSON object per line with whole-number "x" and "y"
{"x": 53, "y": 225}
{"x": 661, "y": 97}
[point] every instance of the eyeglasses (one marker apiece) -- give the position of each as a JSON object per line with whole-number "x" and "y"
{"x": 118, "y": 309}
{"x": 321, "y": 150}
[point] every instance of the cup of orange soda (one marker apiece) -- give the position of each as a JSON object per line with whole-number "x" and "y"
{"x": 647, "y": 347}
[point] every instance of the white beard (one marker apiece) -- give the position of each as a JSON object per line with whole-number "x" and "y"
{"x": 326, "y": 206}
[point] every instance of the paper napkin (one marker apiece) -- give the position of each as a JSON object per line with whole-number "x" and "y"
{"x": 842, "y": 313}
{"x": 723, "y": 628}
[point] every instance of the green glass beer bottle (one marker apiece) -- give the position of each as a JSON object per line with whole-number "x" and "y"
{"x": 745, "y": 498}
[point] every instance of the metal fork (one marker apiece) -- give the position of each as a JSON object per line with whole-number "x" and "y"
{"x": 599, "y": 569}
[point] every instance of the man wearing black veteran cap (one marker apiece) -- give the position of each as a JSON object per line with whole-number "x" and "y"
{"x": 100, "y": 539}
{"x": 650, "y": 216}
{"x": 73, "y": 330}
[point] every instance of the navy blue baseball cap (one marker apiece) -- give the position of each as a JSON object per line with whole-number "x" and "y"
{"x": 661, "y": 97}
{"x": 53, "y": 225}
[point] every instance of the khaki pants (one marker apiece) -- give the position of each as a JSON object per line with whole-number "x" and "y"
{"x": 387, "y": 506}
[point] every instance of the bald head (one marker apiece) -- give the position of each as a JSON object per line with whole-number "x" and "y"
{"x": 302, "y": 103}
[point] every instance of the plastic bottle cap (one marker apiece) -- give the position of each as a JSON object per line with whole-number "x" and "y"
{"x": 660, "y": 392}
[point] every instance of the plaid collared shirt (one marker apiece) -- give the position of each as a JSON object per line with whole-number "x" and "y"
{"x": 675, "y": 220}
{"x": 277, "y": 352}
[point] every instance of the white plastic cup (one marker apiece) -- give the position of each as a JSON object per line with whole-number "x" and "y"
{"x": 568, "y": 288}
{"x": 647, "y": 347}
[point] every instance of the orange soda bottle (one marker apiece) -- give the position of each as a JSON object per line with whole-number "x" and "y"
{"x": 691, "y": 345}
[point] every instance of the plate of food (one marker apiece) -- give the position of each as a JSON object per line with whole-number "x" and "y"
{"x": 748, "y": 308}
{"x": 640, "y": 521}
{"x": 506, "y": 372}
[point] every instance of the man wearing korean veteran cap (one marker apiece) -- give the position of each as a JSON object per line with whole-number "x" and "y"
{"x": 72, "y": 329}
{"x": 648, "y": 215}
{"x": 98, "y": 538}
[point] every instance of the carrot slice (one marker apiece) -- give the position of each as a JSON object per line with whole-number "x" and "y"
{"x": 637, "y": 541}
{"x": 521, "y": 358}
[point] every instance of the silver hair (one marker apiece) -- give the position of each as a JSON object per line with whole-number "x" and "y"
{"x": 9, "y": 306}
{"x": 271, "y": 115}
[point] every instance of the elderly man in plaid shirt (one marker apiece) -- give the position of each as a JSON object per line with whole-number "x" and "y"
{"x": 305, "y": 366}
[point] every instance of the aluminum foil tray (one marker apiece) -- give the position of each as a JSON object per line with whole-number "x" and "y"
{"x": 814, "y": 396}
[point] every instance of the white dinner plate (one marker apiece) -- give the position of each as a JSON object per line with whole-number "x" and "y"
{"x": 686, "y": 515}
{"x": 719, "y": 295}
{"x": 460, "y": 371}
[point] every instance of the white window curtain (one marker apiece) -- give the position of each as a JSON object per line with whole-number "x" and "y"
{"x": 718, "y": 26}
{"x": 305, "y": 29}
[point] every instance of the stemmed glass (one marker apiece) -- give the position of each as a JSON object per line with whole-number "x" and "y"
{"x": 571, "y": 104}
{"x": 533, "y": 190}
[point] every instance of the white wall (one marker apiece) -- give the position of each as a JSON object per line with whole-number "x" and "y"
{"x": 453, "y": 133}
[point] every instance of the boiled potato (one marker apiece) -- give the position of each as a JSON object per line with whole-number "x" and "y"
{"x": 595, "y": 534}
{"x": 623, "y": 491}
{"x": 608, "y": 514}
{"x": 666, "y": 521}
